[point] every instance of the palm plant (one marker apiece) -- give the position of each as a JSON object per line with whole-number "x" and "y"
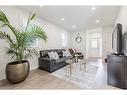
{"x": 20, "y": 44}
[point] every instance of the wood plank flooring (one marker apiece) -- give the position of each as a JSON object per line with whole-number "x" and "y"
{"x": 39, "y": 79}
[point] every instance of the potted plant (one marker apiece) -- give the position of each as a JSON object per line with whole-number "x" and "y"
{"x": 19, "y": 46}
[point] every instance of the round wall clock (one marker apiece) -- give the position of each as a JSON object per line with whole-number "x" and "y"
{"x": 78, "y": 38}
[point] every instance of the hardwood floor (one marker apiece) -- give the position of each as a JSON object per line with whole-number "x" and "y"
{"x": 101, "y": 77}
{"x": 39, "y": 79}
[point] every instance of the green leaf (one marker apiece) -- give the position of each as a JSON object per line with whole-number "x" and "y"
{"x": 20, "y": 46}
{"x": 5, "y": 36}
{"x": 3, "y": 17}
{"x": 32, "y": 17}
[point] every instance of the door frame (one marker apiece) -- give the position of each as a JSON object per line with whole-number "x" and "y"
{"x": 88, "y": 44}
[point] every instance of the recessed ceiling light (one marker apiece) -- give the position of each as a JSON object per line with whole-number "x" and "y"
{"x": 73, "y": 26}
{"x": 62, "y": 19}
{"x": 93, "y": 8}
{"x": 97, "y": 21}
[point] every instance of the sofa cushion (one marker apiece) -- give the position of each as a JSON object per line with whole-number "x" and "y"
{"x": 51, "y": 55}
{"x": 56, "y": 55}
{"x": 59, "y": 52}
{"x": 51, "y": 65}
{"x": 66, "y": 53}
{"x": 60, "y": 60}
{"x": 44, "y": 53}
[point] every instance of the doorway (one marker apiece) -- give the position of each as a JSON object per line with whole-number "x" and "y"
{"x": 95, "y": 44}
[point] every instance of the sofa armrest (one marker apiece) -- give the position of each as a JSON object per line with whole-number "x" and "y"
{"x": 46, "y": 64}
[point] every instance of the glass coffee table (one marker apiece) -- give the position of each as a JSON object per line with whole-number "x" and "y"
{"x": 76, "y": 58}
{"x": 70, "y": 63}
{"x": 81, "y": 62}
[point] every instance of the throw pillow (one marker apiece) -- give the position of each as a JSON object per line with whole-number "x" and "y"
{"x": 51, "y": 55}
{"x": 64, "y": 53}
{"x": 56, "y": 55}
{"x": 68, "y": 54}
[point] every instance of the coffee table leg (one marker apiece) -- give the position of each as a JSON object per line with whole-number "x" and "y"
{"x": 76, "y": 59}
{"x": 85, "y": 66}
{"x": 80, "y": 66}
{"x": 70, "y": 70}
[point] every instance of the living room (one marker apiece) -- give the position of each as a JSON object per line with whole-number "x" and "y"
{"x": 88, "y": 33}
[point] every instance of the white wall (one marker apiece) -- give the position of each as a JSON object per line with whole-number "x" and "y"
{"x": 122, "y": 18}
{"x": 57, "y": 37}
{"x": 83, "y": 46}
{"x": 92, "y": 33}
{"x": 107, "y": 41}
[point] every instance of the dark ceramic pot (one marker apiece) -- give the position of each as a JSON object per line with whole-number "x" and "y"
{"x": 17, "y": 72}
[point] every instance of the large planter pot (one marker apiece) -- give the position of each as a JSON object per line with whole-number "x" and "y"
{"x": 17, "y": 71}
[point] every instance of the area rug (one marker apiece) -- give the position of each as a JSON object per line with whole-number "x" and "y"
{"x": 80, "y": 77}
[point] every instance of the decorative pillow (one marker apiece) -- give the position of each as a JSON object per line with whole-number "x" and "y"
{"x": 68, "y": 53}
{"x": 74, "y": 50}
{"x": 51, "y": 55}
{"x": 56, "y": 55}
{"x": 64, "y": 53}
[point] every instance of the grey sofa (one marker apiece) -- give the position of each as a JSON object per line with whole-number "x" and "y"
{"x": 50, "y": 65}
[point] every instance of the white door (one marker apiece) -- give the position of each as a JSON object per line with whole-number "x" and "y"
{"x": 94, "y": 44}
{"x": 94, "y": 47}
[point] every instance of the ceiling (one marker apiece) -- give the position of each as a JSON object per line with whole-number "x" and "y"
{"x": 75, "y": 18}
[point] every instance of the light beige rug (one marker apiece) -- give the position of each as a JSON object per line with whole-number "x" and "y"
{"x": 80, "y": 77}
